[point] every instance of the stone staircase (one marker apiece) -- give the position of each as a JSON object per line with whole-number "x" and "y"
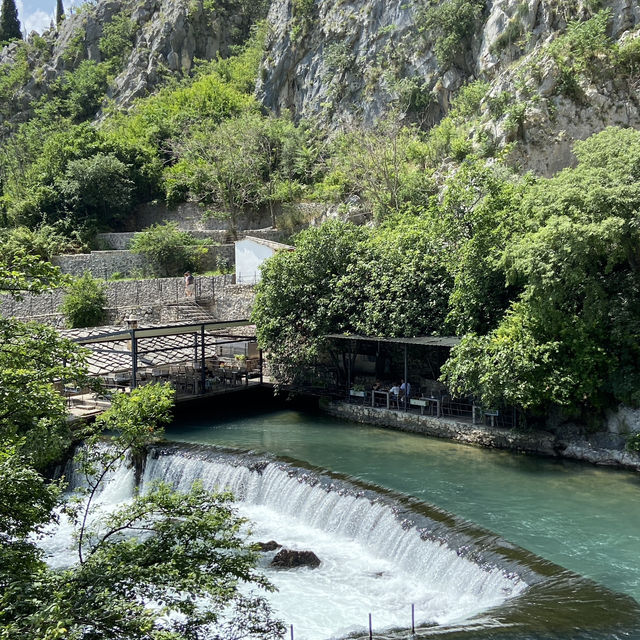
{"x": 189, "y": 311}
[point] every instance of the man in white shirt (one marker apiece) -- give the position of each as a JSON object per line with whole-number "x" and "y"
{"x": 395, "y": 392}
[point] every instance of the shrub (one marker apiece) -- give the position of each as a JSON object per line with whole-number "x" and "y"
{"x": 633, "y": 442}
{"x": 302, "y": 11}
{"x": 84, "y": 304}
{"x": 97, "y": 189}
{"x": 451, "y": 24}
{"x": 117, "y": 37}
{"x": 45, "y": 241}
{"x": 84, "y": 89}
{"x": 170, "y": 251}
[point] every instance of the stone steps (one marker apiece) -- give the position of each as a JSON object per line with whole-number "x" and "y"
{"x": 190, "y": 312}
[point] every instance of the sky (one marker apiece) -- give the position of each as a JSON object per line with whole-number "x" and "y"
{"x": 36, "y": 15}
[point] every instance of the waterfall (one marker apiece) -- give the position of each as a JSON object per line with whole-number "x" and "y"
{"x": 380, "y": 554}
{"x": 384, "y": 560}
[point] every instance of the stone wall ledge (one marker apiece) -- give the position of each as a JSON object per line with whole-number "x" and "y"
{"x": 537, "y": 442}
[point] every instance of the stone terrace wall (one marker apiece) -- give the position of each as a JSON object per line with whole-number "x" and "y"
{"x": 188, "y": 215}
{"x": 122, "y": 241}
{"x": 103, "y": 264}
{"x": 124, "y": 294}
{"x": 234, "y": 301}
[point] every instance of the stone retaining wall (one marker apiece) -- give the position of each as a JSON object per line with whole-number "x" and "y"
{"x": 234, "y": 301}
{"x": 103, "y": 264}
{"x": 122, "y": 241}
{"x": 189, "y": 215}
{"x": 538, "y": 442}
{"x": 123, "y": 294}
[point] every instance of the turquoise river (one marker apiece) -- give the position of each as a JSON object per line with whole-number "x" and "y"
{"x": 581, "y": 517}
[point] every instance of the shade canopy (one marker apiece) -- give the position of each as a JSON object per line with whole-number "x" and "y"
{"x": 427, "y": 341}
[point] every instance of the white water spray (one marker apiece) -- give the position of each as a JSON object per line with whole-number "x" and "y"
{"x": 370, "y": 561}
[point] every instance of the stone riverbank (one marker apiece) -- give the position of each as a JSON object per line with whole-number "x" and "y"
{"x": 531, "y": 441}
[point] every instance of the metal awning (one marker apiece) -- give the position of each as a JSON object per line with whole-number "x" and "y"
{"x": 156, "y": 332}
{"x": 428, "y": 341}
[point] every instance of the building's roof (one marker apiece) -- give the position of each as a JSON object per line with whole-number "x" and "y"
{"x": 429, "y": 341}
{"x": 112, "y": 334}
{"x": 276, "y": 246}
{"x": 110, "y": 347}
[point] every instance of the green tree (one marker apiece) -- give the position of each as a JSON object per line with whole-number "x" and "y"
{"x": 385, "y": 167}
{"x": 117, "y": 38}
{"x": 183, "y": 579}
{"x": 570, "y": 337}
{"x": 296, "y": 299}
{"x": 9, "y": 23}
{"x": 389, "y": 281}
{"x": 245, "y": 163}
{"x": 22, "y": 272}
{"x": 170, "y": 251}
{"x": 74, "y": 176}
{"x": 97, "y": 190}
{"x": 164, "y": 565}
{"x": 34, "y": 362}
{"x": 399, "y": 283}
{"x": 59, "y": 12}
{"x": 84, "y": 303}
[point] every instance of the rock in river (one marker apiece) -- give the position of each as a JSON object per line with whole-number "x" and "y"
{"x": 288, "y": 559}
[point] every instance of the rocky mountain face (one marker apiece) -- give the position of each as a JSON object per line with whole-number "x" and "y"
{"x": 159, "y": 39}
{"x": 350, "y": 62}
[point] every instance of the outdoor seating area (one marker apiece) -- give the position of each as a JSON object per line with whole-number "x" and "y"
{"x": 372, "y": 372}
{"x": 188, "y": 379}
{"x": 427, "y": 398}
{"x": 197, "y": 360}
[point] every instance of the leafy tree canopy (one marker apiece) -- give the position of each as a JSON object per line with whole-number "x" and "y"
{"x": 84, "y": 303}
{"x": 569, "y": 338}
{"x": 170, "y": 251}
{"x": 165, "y": 565}
{"x": 539, "y": 275}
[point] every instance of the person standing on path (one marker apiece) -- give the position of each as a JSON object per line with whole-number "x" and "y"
{"x": 189, "y": 284}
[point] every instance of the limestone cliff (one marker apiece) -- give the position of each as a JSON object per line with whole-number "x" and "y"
{"x": 349, "y": 62}
{"x": 158, "y": 39}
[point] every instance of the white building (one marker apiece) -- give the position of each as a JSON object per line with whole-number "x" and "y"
{"x": 251, "y": 253}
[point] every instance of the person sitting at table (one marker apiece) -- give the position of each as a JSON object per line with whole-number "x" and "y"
{"x": 395, "y": 392}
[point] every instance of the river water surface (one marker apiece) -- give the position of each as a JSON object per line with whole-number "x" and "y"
{"x": 584, "y": 518}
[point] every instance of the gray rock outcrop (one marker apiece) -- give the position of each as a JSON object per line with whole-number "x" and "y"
{"x": 272, "y": 545}
{"x": 168, "y": 36}
{"x": 349, "y": 63}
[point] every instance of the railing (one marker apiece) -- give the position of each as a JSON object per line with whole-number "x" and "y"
{"x": 248, "y": 278}
{"x": 438, "y": 405}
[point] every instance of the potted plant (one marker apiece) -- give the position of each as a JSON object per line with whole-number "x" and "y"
{"x": 358, "y": 391}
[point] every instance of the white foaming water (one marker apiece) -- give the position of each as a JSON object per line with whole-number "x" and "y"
{"x": 370, "y": 563}
{"x": 60, "y": 550}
